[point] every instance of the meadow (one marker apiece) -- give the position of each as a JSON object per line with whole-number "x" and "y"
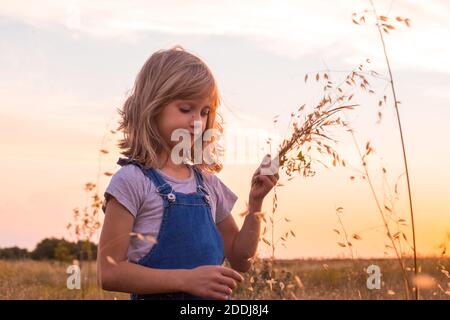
{"x": 343, "y": 279}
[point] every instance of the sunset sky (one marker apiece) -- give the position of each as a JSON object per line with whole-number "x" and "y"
{"x": 65, "y": 66}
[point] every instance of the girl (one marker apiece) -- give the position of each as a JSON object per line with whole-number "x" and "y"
{"x": 168, "y": 226}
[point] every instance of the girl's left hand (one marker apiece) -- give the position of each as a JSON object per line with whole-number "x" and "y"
{"x": 263, "y": 183}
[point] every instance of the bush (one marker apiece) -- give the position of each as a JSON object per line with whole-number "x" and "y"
{"x": 63, "y": 250}
{"x": 14, "y": 253}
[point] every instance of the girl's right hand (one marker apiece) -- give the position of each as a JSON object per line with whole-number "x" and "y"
{"x": 214, "y": 282}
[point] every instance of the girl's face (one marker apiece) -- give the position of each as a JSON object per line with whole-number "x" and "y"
{"x": 183, "y": 114}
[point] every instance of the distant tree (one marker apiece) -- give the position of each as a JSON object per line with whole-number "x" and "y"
{"x": 45, "y": 250}
{"x": 63, "y": 250}
{"x": 14, "y": 253}
{"x": 85, "y": 250}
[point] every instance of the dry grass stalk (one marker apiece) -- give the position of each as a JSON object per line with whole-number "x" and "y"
{"x": 86, "y": 224}
{"x": 384, "y": 26}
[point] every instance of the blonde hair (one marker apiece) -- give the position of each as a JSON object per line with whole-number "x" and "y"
{"x": 166, "y": 76}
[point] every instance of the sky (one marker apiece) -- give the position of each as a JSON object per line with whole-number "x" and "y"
{"x": 66, "y": 66}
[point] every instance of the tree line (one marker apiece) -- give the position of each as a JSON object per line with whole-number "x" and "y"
{"x": 53, "y": 249}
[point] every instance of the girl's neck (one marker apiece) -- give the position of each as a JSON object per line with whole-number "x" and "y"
{"x": 178, "y": 171}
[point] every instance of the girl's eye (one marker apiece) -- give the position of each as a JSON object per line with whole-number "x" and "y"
{"x": 185, "y": 110}
{"x": 205, "y": 113}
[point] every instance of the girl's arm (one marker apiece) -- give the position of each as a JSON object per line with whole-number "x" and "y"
{"x": 115, "y": 273}
{"x": 241, "y": 245}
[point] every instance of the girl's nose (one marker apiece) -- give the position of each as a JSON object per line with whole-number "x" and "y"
{"x": 196, "y": 123}
{"x": 196, "y": 117}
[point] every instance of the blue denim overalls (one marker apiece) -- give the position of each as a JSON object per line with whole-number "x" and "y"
{"x": 188, "y": 237}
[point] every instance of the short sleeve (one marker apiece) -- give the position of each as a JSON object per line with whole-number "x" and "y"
{"x": 225, "y": 198}
{"x": 127, "y": 187}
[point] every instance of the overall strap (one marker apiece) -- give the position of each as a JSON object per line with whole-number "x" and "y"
{"x": 162, "y": 187}
{"x": 200, "y": 182}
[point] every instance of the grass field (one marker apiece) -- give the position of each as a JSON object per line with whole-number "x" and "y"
{"x": 288, "y": 279}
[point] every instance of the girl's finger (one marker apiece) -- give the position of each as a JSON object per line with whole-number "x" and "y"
{"x": 254, "y": 180}
{"x": 229, "y": 282}
{"x": 231, "y": 274}
{"x": 266, "y": 162}
{"x": 265, "y": 179}
{"x": 274, "y": 179}
{"x": 218, "y": 295}
{"x": 222, "y": 289}
{"x": 270, "y": 179}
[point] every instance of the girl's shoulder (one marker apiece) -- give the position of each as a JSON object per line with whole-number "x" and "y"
{"x": 129, "y": 172}
{"x": 130, "y": 176}
{"x": 129, "y": 186}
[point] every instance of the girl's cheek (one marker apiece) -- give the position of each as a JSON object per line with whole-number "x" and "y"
{"x": 186, "y": 117}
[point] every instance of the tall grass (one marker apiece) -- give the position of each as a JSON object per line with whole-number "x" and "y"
{"x": 309, "y": 135}
{"x": 385, "y": 27}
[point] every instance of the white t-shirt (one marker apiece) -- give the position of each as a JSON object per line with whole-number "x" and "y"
{"x": 136, "y": 192}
